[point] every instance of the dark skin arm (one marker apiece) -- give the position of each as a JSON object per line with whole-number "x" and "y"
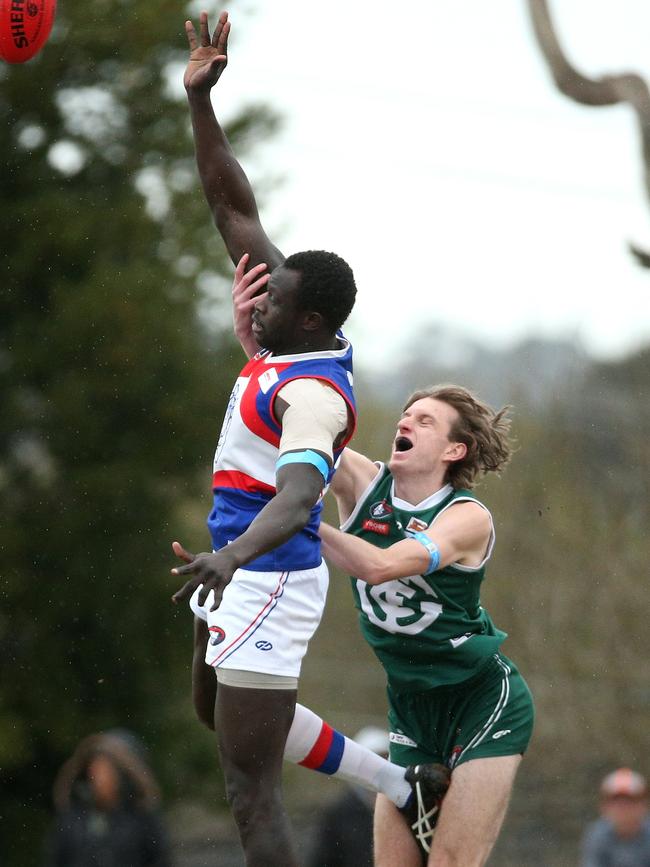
{"x": 226, "y": 187}
{"x": 298, "y": 489}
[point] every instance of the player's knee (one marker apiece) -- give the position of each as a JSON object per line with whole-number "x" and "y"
{"x": 252, "y": 803}
{"x": 450, "y": 855}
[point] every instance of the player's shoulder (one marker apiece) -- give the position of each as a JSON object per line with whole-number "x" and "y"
{"x": 468, "y": 514}
{"x": 359, "y": 469}
{"x": 355, "y": 475}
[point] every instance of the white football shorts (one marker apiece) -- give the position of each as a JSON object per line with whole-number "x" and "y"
{"x": 265, "y": 619}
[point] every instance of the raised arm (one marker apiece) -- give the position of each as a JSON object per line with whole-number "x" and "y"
{"x": 226, "y": 187}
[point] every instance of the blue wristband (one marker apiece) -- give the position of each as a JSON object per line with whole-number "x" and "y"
{"x": 430, "y": 545}
{"x": 309, "y": 456}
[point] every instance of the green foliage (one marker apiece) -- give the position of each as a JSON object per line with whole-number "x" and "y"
{"x": 112, "y": 394}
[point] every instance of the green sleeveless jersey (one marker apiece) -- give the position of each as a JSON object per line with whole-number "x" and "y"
{"x": 427, "y": 631}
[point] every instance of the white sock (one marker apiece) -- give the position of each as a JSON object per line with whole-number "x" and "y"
{"x": 314, "y": 744}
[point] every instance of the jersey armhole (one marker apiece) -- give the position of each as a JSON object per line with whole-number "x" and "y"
{"x": 490, "y": 546}
{"x": 364, "y": 496}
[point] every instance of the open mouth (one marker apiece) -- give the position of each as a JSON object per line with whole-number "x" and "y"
{"x": 403, "y": 444}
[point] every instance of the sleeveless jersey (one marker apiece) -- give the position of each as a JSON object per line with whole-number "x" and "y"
{"x": 427, "y": 631}
{"x": 244, "y": 463}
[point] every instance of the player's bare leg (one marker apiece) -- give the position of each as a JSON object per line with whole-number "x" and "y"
{"x": 394, "y": 843}
{"x": 252, "y": 727}
{"x": 471, "y": 817}
{"x": 473, "y": 811}
{"x": 204, "y": 682}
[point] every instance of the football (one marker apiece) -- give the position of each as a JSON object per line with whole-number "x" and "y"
{"x": 24, "y": 28}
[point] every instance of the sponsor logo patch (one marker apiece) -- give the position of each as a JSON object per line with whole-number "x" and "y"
{"x": 403, "y": 740}
{"x": 380, "y": 511}
{"x": 375, "y": 527}
{"x": 268, "y": 379}
{"x": 217, "y": 635}
{"x": 416, "y": 525}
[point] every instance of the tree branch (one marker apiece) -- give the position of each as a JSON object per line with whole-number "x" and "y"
{"x": 627, "y": 88}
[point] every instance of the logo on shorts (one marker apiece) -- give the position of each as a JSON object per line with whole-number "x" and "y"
{"x": 455, "y": 755}
{"x": 380, "y": 511}
{"x": 402, "y": 740}
{"x": 263, "y": 645}
{"x": 497, "y": 735}
{"x": 217, "y": 635}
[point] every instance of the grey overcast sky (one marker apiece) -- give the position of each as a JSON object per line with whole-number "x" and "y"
{"x": 426, "y": 143}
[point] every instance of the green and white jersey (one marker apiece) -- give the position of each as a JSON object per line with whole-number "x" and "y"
{"x": 426, "y": 631}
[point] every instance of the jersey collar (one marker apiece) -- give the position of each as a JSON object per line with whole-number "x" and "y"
{"x": 428, "y": 503}
{"x": 300, "y": 356}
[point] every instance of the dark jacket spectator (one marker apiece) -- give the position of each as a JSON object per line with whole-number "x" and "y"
{"x": 106, "y": 801}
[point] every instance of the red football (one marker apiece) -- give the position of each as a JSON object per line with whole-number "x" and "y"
{"x": 24, "y": 27}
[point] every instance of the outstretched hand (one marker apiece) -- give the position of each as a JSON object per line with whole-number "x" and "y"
{"x": 208, "y": 56}
{"x": 214, "y": 571}
{"x": 246, "y": 289}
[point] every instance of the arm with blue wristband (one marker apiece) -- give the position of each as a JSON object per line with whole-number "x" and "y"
{"x": 308, "y": 456}
{"x": 449, "y": 540}
{"x": 302, "y": 472}
{"x": 377, "y": 565}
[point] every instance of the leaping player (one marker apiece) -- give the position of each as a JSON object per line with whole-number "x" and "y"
{"x": 261, "y": 591}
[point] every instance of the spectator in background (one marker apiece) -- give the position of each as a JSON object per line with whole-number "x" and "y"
{"x": 106, "y": 797}
{"x": 621, "y": 837}
{"x": 344, "y": 835}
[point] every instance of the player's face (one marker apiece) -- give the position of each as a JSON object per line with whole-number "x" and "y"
{"x": 422, "y": 443}
{"x": 275, "y": 317}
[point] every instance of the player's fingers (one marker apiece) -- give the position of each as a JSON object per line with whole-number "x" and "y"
{"x": 205, "y": 592}
{"x": 241, "y": 283}
{"x": 184, "y": 593}
{"x": 191, "y": 35}
{"x": 257, "y": 290}
{"x": 218, "y": 30}
{"x": 246, "y": 292}
{"x": 218, "y": 594}
{"x": 222, "y": 41}
{"x": 240, "y": 269}
{"x": 248, "y": 305}
{"x": 187, "y": 569}
{"x": 181, "y": 552}
{"x": 205, "y": 33}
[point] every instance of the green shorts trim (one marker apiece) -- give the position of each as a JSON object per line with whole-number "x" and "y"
{"x": 491, "y": 714}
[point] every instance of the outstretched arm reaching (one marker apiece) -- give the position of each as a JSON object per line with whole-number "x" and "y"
{"x": 226, "y": 187}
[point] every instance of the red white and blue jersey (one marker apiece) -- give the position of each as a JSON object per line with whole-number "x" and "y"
{"x": 247, "y": 451}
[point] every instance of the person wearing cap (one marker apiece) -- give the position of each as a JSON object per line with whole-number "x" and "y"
{"x": 621, "y": 836}
{"x": 344, "y": 834}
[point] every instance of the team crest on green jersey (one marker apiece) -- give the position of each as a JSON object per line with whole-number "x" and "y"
{"x": 381, "y": 511}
